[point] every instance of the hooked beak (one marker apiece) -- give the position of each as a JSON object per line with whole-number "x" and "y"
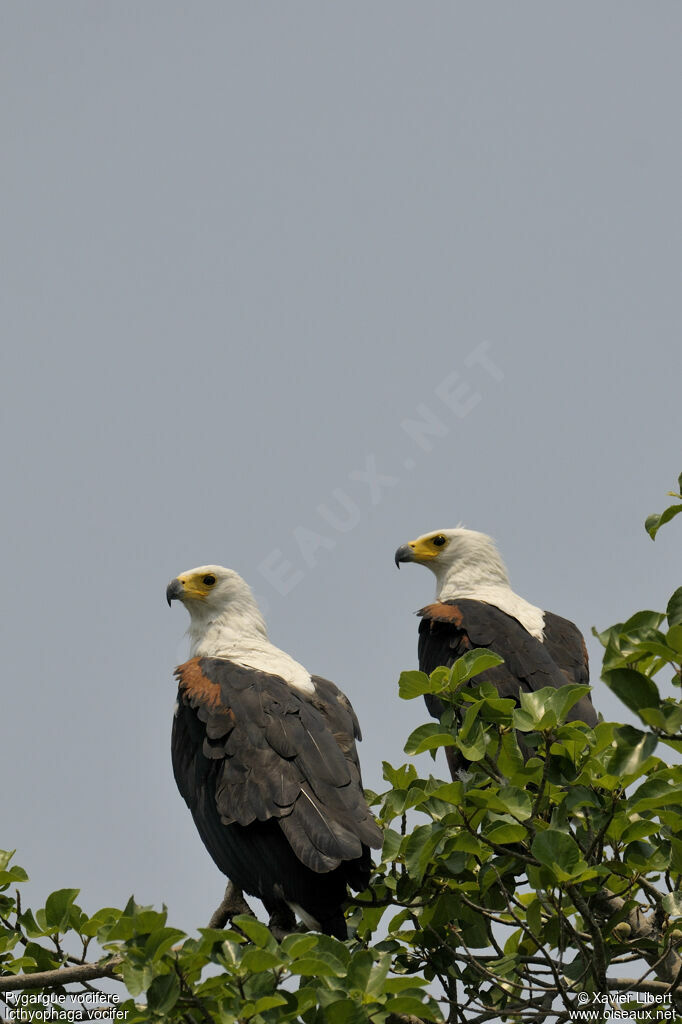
{"x": 174, "y": 591}
{"x": 404, "y": 553}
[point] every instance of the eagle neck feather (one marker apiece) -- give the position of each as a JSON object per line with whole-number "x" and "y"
{"x": 485, "y": 579}
{"x": 239, "y": 634}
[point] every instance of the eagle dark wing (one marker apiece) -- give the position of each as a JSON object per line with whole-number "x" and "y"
{"x": 450, "y": 628}
{"x": 343, "y": 724}
{"x": 272, "y": 779}
{"x": 566, "y": 646}
{"x": 341, "y": 719}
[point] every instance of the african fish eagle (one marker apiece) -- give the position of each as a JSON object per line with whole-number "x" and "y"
{"x": 264, "y": 755}
{"x": 476, "y": 607}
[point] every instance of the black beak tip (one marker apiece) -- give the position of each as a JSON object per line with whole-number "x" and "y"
{"x": 403, "y": 554}
{"x": 173, "y": 591}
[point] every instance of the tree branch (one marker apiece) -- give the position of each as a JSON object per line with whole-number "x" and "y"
{"x": 637, "y": 985}
{"x": 597, "y": 939}
{"x": 62, "y": 975}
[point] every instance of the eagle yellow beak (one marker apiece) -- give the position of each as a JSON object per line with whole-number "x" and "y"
{"x": 187, "y": 587}
{"x": 419, "y": 550}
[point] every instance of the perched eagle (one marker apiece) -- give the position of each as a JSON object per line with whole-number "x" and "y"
{"x": 476, "y": 607}
{"x": 264, "y": 756}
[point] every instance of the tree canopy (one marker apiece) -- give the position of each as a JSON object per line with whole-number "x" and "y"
{"x": 548, "y": 888}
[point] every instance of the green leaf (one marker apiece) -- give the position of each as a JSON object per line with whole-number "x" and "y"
{"x": 667, "y": 718}
{"x": 45, "y": 959}
{"x": 305, "y": 998}
{"x": 510, "y": 759}
{"x": 516, "y": 801}
{"x": 29, "y": 924}
{"x": 163, "y": 993}
{"x": 13, "y": 874}
{"x": 415, "y": 795}
{"x": 534, "y": 914}
{"x": 18, "y": 966}
{"x": 345, "y": 1011}
{"x": 643, "y": 647}
{"x": 675, "y": 744}
{"x": 323, "y": 966}
{"x": 143, "y": 919}
{"x": 657, "y": 792}
{"x": 567, "y": 697}
{"x": 633, "y": 688}
{"x": 469, "y": 724}
{"x": 428, "y": 737}
{"x": 58, "y": 908}
{"x": 474, "y": 746}
{"x": 554, "y": 848}
{"x": 632, "y": 748}
{"x": 298, "y": 945}
{"x": 420, "y": 847}
{"x": 538, "y": 709}
{"x": 392, "y": 841}
{"x": 654, "y": 522}
{"x": 160, "y": 941}
{"x": 440, "y": 679}
{"x": 377, "y": 975}
{"x": 359, "y": 970}
{"x": 136, "y": 979}
{"x": 413, "y": 684}
{"x": 411, "y": 1006}
{"x": 674, "y": 609}
{"x": 269, "y": 1002}
{"x": 101, "y": 922}
{"x": 256, "y": 960}
{"x": 642, "y": 623}
{"x": 399, "y": 778}
{"x": 651, "y": 524}
{"x": 506, "y": 832}
{"x": 5, "y": 858}
{"x": 329, "y": 947}
{"x": 472, "y": 664}
{"x": 259, "y": 933}
{"x": 449, "y": 792}
{"x": 498, "y": 709}
{"x": 644, "y": 857}
{"x": 636, "y": 830}
{"x": 401, "y": 984}
{"x": 674, "y": 640}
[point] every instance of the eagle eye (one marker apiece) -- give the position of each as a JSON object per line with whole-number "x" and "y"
{"x": 209, "y": 580}
{"x": 438, "y": 541}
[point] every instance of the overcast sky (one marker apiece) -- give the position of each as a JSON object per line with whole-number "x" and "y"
{"x": 285, "y": 286}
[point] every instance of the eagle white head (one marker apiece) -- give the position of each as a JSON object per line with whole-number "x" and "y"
{"x": 225, "y": 622}
{"x": 457, "y": 557}
{"x": 467, "y": 564}
{"x": 214, "y": 594}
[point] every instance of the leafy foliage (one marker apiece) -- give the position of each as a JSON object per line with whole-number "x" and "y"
{"x": 655, "y": 522}
{"x": 528, "y": 889}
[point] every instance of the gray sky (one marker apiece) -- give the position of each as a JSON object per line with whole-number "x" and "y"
{"x": 243, "y": 244}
